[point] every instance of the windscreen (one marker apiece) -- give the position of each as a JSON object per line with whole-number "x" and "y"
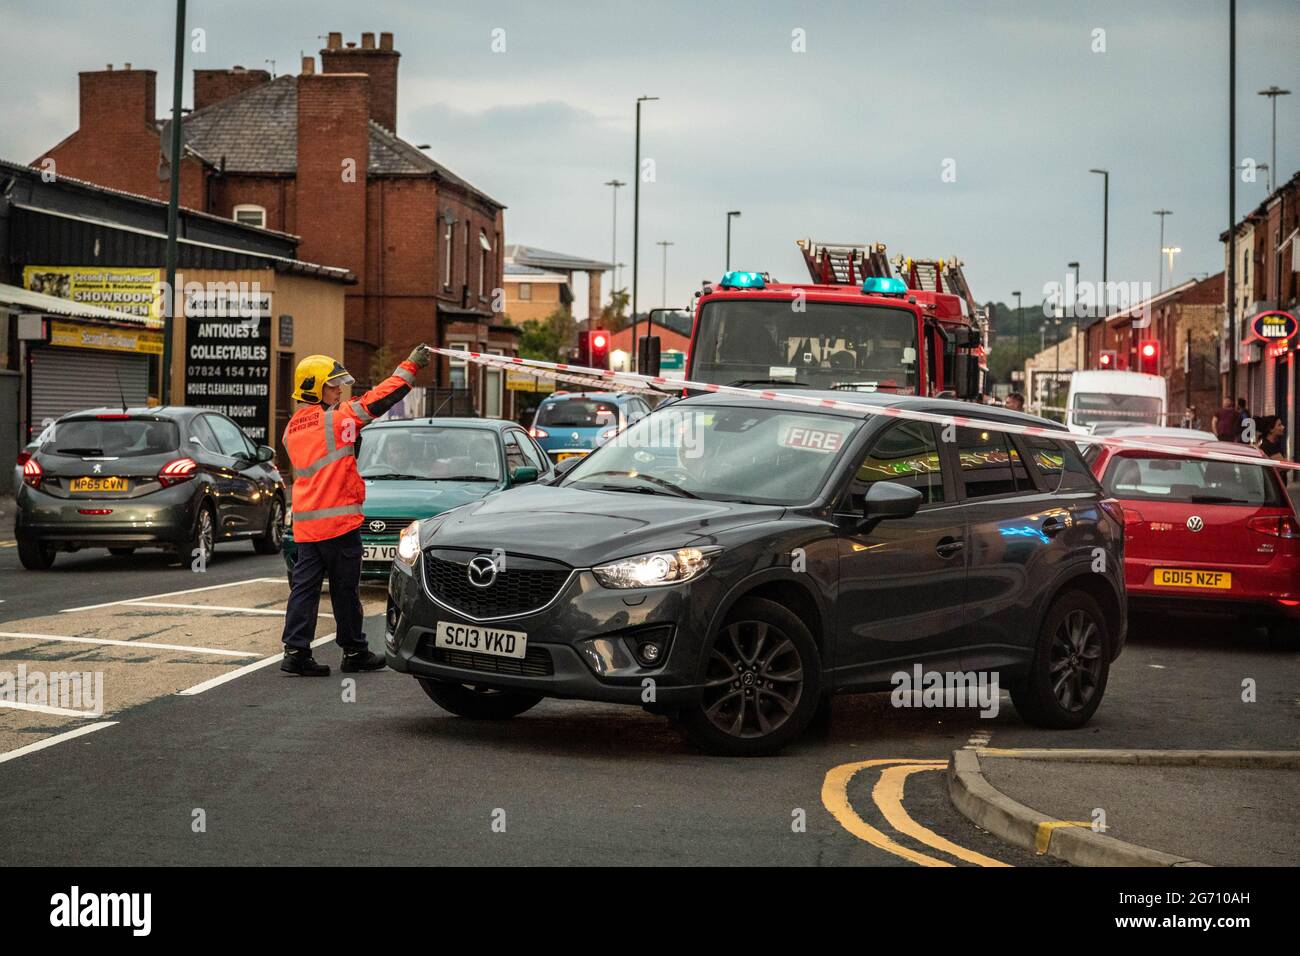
{"x": 1101, "y": 408}
{"x": 113, "y": 438}
{"x": 429, "y": 453}
{"x": 823, "y": 345}
{"x": 1190, "y": 481}
{"x": 578, "y": 413}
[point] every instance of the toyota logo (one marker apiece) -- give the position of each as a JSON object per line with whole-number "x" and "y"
{"x": 1194, "y": 523}
{"x": 378, "y": 526}
{"x": 482, "y": 571}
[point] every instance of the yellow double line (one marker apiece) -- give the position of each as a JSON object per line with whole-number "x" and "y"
{"x": 888, "y": 797}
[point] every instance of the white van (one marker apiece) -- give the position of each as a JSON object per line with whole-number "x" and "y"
{"x": 1103, "y": 400}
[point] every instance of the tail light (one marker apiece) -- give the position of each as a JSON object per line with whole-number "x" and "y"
{"x": 1115, "y": 510}
{"x": 32, "y": 473}
{"x": 539, "y": 433}
{"x": 1279, "y": 526}
{"x": 174, "y": 472}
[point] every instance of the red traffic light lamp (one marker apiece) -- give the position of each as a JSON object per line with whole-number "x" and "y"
{"x": 1149, "y": 357}
{"x": 593, "y": 348}
{"x": 1106, "y": 360}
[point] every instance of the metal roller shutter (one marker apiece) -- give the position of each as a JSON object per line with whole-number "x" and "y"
{"x": 67, "y": 380}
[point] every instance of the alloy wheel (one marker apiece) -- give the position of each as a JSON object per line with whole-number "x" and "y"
{"x": 754, "y": 680}
{"x": 277, "y": 524}
{"x": 206, "y": 534}
{"x": 1075, "y": 662}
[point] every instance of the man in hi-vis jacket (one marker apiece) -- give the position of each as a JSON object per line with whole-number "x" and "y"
{"x": 328, "y": 495}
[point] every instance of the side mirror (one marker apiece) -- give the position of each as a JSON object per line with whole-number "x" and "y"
{"x": 648, "y": 355}
{"x": 566, "y": 466}
{"x": 966, "y": 375}
{"x": 889, "y": 499}
{"x": 523, "y": 475}
{"x": 265, "y": 453}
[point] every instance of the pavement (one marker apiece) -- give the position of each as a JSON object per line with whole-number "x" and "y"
{"x": 206, "y": 753}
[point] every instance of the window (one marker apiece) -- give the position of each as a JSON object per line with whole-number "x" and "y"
{"x": 250, "y": 215}
{"x": 458, "y": 368}
{"x": 448, "y": 240}
{"x": 536, "y": 457}
{"x": 514, "y": 454}
{"x": 492, "y": 389}
{"x": 525, "y": 291}
{"x": 113, "y": 437}
{"x": 200, "y": 430}
{"x": 1060, "y": 464}
{"x": 485, "y": 247}
{"x": 229, "y": 436}
{"x": 907, "y": 454}
{"x": 990, "y": 464}
{"x": 1191, "y": 481}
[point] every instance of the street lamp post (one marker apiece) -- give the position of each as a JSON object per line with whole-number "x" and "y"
{"x": 663, "y": 294}
{"x": 1171, "y": 251}
{"x": 1020, "y": 346}
{"x": 636, "y": 229}
{"x": 173, "y": 208}
{"x": 732, "y": 214}
{"x": 1105, "y": 237}
{"x": 1160, "y": 279}
{"x": 1273, "y": 92}
{"x": 615, "y": 185}
{"x": 1075, "y": 310}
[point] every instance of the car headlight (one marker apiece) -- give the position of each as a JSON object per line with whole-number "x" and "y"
{"x": 659, "y": 567}
{"x": 408, "y": 545}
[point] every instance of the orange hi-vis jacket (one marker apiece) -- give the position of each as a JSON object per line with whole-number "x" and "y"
{"x": 328, "y": 493}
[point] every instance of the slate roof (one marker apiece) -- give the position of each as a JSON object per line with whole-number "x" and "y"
{"x": 558, "y": 261}
{"x": 257, "y": 132}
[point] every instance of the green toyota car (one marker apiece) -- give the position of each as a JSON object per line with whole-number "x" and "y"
{"x": 418, "y": 468}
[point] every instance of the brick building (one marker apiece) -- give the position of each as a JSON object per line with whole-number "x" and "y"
{"x": 317, "y": 156}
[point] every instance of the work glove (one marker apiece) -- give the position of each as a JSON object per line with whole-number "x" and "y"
{"x": 421, "y": 355}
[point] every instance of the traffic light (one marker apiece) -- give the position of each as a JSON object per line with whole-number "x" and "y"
{"x": 593, "y": 348}
{"x": 1107, "y": 360}
{"x": 1149, "y": 356}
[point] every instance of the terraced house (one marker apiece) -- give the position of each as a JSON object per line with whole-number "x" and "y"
{"x": 317, "y": 155}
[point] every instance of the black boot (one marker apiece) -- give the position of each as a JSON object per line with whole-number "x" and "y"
{"x": 303, "y": 664}
{"x": 362, "y": 660}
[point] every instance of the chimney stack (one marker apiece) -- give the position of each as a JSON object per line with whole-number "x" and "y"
{"x": 379, "y": 63}
{"x": 213, "y": 86}
{"x": 308, "y": 65}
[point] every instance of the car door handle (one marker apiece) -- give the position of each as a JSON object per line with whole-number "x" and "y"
{"x": 1053, "y": 527}
{"x": 947, "y": 547}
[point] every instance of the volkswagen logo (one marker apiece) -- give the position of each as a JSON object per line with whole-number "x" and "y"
{"x": 378, "y": 526}
{"x": 1194, "y": 523}
{"x": 482, "y": 571}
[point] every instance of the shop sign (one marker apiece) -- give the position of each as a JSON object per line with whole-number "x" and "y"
{"x": 133, "y": 291}
{"x": 106, "y": 338}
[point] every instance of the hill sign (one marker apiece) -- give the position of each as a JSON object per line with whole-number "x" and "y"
{"x": 1274, "y": 326}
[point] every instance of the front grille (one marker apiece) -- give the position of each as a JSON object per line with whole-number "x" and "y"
{"x": 525, "y": 584}
{"x": 537, "y": 663}
{"x": 391, "y": 526}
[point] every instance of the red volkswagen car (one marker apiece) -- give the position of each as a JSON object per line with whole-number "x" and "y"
{"x": 1204, "y": 536}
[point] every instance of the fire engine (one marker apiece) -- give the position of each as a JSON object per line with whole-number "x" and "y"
{"x": 863, "y": 322}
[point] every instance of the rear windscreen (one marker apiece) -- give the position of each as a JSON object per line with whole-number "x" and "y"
{"x": 113, "y": 438}
{"x": 578, "y": 413}
{"x": 1190, "y": 481}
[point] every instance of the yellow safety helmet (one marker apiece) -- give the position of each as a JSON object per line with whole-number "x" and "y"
{"x": 314, "y": 373}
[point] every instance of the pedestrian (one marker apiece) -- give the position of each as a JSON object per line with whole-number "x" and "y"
{"x": 328, "y": 495}
{"x": 1016, "y": 402}
{"x": 1190, "y": 419}
{"x": 1273, "y": 430}
{"x": 1226, "y": 421}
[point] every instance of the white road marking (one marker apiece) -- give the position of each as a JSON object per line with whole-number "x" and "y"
{"x": 1158, "y": 667}
{"x": 47, "y": 709}
{"x": 23, "y": 635}
{"x": 56, "y": 739}
{"x": 212, "y": 607}
{"x": 978, "y": 739}
{"x": 241, "y": 671}
{"x": 150, "y": 597}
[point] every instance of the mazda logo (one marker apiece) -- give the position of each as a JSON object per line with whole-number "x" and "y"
{"x": 1194, "y": 523}
{"x": 482, "y": 571}
{"x": 378, "y": 526}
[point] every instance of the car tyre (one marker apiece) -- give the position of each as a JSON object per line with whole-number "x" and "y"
{"x": 121, "y": 552}
{"x": 202, "y": 538}
{"x": 761, "y": 683}
{"x": 35, "y": 555}
{"x": 1071, "y": 664}
{"x": 478, "y": 703}
{"x": 270, "y": 541}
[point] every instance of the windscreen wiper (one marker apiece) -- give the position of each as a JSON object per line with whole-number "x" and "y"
{"x": 658, "y": 482}
{"x": 784, "y": 383}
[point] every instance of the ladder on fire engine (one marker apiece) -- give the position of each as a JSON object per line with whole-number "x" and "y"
{"x": 939, "y": 275}
{"x": 832, "y": 263}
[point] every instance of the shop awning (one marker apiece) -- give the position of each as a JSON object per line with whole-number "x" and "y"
{"x": 19, "y": 301}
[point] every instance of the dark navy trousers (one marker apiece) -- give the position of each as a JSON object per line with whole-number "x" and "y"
{"x": 339, "y": 561}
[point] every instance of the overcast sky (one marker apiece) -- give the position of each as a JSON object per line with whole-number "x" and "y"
{"x": 846, "y": 141}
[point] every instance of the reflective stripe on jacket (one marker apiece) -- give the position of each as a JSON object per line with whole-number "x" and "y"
{"x": 328, "y": 492}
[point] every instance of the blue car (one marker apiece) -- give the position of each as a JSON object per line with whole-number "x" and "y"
{"x": 572, "y": 424}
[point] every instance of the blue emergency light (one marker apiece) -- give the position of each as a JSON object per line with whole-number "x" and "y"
{"x": 884, "y": 285}
{"x": 742, "y": 280}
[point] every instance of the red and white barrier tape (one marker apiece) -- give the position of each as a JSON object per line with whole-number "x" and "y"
{"x": 634, "y": 381}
